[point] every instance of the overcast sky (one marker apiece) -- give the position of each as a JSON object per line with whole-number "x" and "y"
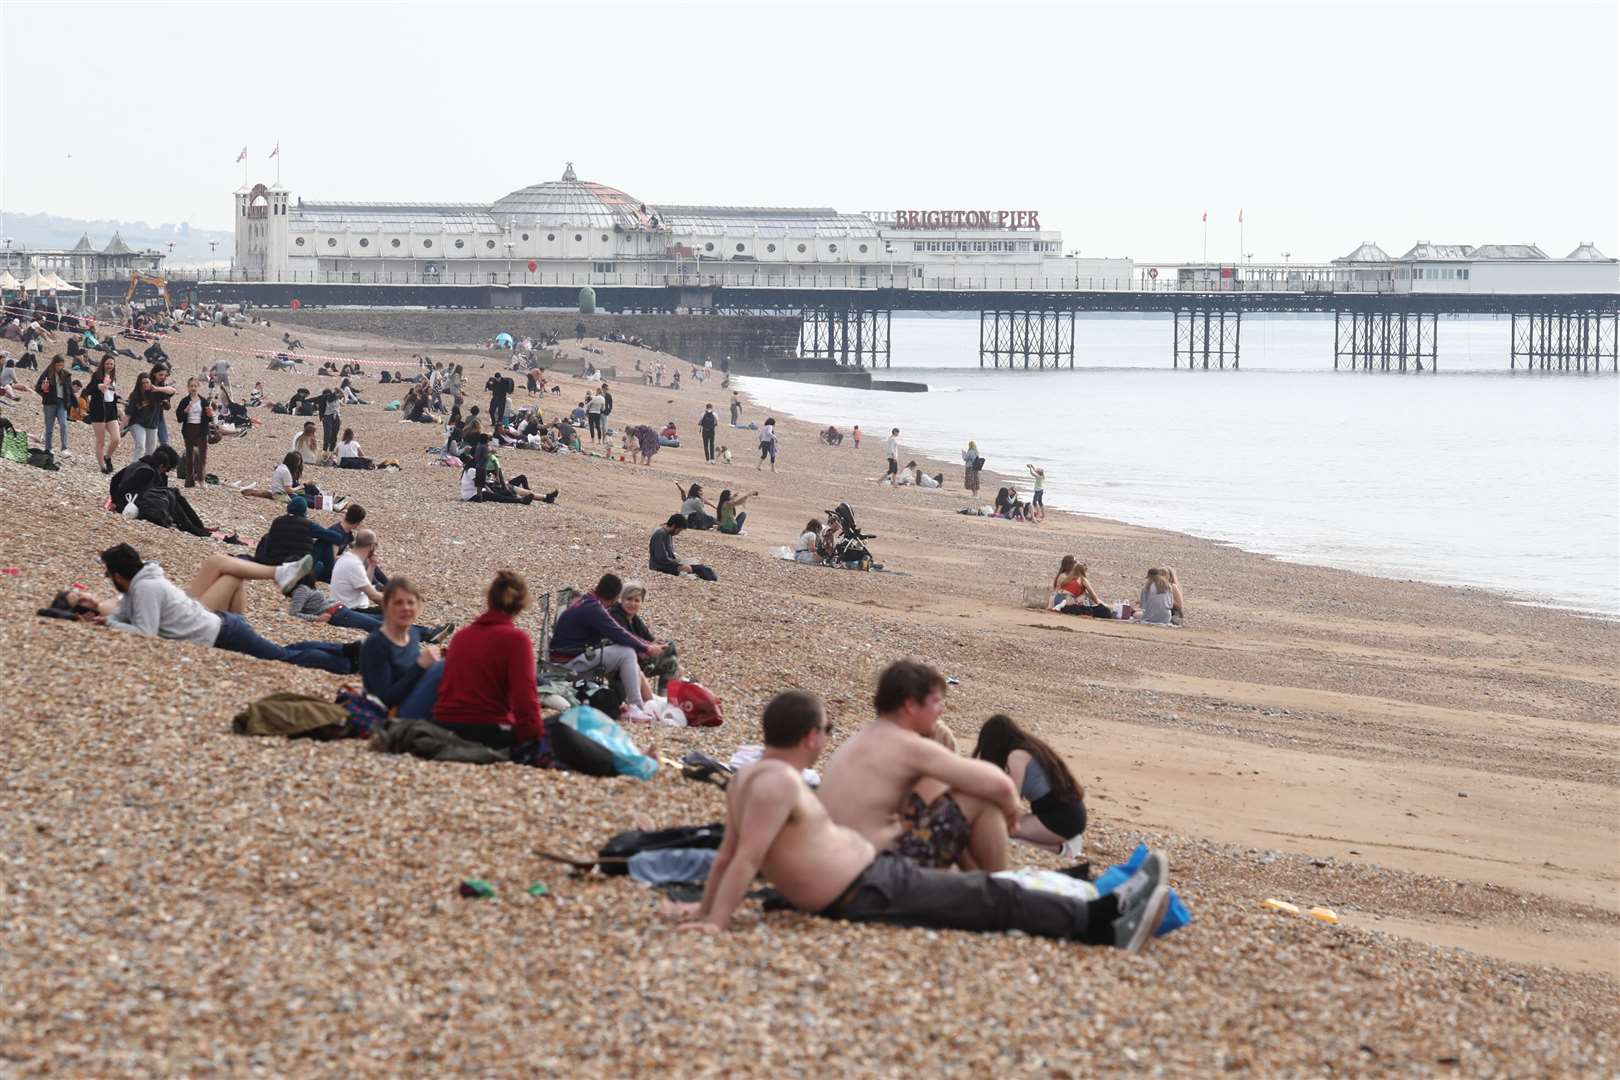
{"x": 1327, "y": 124}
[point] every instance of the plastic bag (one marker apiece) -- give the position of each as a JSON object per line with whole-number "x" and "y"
{"x": 130, "y": 509}
{"x": 1050, "y": 881}
{"x": 596, "y": 726}
{"x": 1174, "y": 919}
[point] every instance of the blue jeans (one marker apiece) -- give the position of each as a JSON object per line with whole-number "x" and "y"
{"x": 163, "y": 429}
{"x": 55, "y": 414}
{"x": 418, "y": 704}
{"x": 350, "y": 619}
{"x": 235, "y": 635}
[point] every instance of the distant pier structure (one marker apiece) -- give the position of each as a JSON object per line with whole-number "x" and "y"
{"x": 844, "y": 274}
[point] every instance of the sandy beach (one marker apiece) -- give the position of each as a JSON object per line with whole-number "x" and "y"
{"x": 1436, "y": 765}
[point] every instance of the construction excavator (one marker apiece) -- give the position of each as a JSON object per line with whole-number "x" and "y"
{"x": 136, "y": 279}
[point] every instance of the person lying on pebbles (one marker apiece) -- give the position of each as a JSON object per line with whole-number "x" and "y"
{"x": 777, "y": 826}
{"x": 897, "y": 786}
{"x": 208, "y": 613}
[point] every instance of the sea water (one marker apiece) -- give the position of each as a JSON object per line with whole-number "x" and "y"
{"x": 1470, "y": 476}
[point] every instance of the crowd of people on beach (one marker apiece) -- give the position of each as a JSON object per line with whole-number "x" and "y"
{"x": 902, "y": 828}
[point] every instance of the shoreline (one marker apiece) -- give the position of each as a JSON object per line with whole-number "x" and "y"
{"x": 1575, "y": 606}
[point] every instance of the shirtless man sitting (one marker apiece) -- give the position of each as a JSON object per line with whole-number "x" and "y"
{"x": 776, "y": 825}
{"x": 896, "y": 785}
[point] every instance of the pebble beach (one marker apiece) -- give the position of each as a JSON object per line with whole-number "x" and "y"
{"x": 1436, "y": 765}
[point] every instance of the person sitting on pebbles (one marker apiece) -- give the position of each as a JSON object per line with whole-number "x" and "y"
{"x": 777, "y": 826}
{"x": 895, "y": 784}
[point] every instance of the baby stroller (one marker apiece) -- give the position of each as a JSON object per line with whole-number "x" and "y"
{"x": 849, "y": 549}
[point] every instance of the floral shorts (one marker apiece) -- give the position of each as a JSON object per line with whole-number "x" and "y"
{"x": 936, "y": 833}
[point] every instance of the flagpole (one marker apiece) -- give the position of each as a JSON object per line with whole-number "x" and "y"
{"x": 1206, "y": 237}
{"x": 278, "y": 161}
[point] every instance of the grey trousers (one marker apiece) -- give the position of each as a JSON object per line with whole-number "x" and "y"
{"x": 896, "y": 890}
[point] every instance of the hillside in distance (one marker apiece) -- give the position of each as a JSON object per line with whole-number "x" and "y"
{"x": 50, "y": 231}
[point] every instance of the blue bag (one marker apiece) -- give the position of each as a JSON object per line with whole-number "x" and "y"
{"x": 595, "y": 725}
{"x": 1174, "y": 919}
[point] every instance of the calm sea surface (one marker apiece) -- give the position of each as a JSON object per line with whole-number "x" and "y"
{"x": 1469, "y": 477}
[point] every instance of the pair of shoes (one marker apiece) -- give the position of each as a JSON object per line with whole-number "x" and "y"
{"x": 351, "y": 652}
{"x": 289, "y": 574}
{"x": 439, "y": 633}
{"x": 550, "y": 496}
{"x": 1143, "y": 899}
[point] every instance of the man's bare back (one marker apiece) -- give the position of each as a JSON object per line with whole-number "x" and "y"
{"x": 868, "y": 778}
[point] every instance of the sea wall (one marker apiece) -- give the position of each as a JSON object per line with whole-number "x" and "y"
{"x": 750, "y": 341}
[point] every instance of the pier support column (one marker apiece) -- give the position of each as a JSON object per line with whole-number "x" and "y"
{"x": 1202, "y": 336}
{"x": 1578, "y": 341}
{"x": 1028, "y": 339}
{"x": 1385, "y": 341}
{"x": 848, "y": 337}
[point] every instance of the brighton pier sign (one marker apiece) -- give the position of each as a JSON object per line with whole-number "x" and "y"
{"x": 967, "y": 219}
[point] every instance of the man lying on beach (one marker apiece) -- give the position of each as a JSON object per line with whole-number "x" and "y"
{"x": 776, "y": 825}
{"x": 896, "y": 785}
{"x": 208, "y": 613}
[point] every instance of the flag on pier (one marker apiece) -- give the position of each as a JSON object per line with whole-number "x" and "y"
{"x": 1240, "y": 217}
{"x": 277, "y": 150}
{"x": 1206, "y": 215}
{"x": 242, "y": 156}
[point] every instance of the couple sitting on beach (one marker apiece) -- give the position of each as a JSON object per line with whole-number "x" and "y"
{"x": 1159, "y": 604}
{"x": 845, "y": 852}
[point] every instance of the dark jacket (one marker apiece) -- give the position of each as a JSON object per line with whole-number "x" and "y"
{"x": 661, "y": 552}
{"x": 287, "y": 540}
{"x": 584, "y": 625}
{"x": 709, "y": 421}
{"x": 134, "y": 479}
{"x": 185, "y": 405}
{"x": 57, "y": 391}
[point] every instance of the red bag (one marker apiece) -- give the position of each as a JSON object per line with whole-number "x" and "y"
{"x": 702, "y": 708}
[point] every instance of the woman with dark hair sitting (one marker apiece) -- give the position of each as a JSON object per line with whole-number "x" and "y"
{"x": 692, "y": 507}
{"x": 488, "y": 693}
{"x": 729, "y": 512}
{"x": 1055, "y": 797}
{"x": 285, "y": 482}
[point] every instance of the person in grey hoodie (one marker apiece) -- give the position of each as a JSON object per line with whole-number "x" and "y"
{"x": 152, "y": 605}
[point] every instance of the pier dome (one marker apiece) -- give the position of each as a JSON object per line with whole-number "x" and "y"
{"x": 573, "y": 203}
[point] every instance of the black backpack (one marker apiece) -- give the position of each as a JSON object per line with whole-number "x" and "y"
{"x": 153, "y": 505}
{"x": 626, "y": 844}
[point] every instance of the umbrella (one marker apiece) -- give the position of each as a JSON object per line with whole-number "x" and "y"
{"x": 503, "y": 340}
{"x": 7, "y": 281}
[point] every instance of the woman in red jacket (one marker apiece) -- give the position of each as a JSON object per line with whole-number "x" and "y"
{"x": 488, "y": 692}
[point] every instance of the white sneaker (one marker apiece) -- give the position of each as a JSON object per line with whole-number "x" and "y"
{"x": 64, "y": 452}
{"x": 289, "y": 574}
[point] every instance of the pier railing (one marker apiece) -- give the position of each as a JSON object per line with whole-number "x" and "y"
{"x": 1311, "y": 280}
